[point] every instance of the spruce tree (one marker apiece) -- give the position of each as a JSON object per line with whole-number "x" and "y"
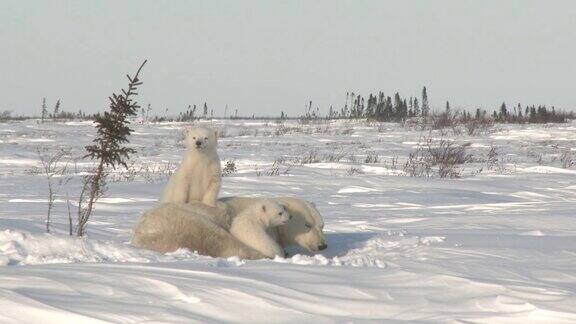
{"x": 503, "y": 112}
{"x": 113, "y": 130}
{"x": 425, "y": 107}
{"x": 416, "y": 107}
{"x": 56, "y": 109}
{"x": 44, "y": 110}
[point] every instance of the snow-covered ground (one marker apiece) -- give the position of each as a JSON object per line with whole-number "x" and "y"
{"x": 497, "y": 244}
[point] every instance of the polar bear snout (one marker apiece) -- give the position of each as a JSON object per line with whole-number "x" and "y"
{"x": 202, "y": 144}
{"x": 322, "y": 246}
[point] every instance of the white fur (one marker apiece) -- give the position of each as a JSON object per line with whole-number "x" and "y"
{"x": 252, "y": 225}
{"x": 194, "y": 226}
{"x": 304, "y": 229}
{"x": 198, "y": 177}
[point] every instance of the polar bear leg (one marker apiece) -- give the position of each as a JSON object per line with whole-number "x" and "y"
{"x": 211, "y": 195}
{"x": 176, "y": 191}
{"x": 269, "y": 247}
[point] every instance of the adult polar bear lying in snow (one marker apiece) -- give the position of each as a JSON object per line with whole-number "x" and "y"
{"x": 203, "y": 229}
{"x": 194, "y": 226}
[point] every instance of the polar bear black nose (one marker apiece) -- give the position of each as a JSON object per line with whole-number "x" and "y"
{"x": 198, "y": 143}
{"x": 322, "y": 247}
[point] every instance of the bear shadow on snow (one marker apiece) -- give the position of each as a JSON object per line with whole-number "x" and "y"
{"x": 339, "y": 244}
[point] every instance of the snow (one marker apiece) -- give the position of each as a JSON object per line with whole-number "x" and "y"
{"x": 497, "y": 244}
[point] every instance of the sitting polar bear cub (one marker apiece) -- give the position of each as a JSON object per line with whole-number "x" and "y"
{"x": 198, "y": 177}
{"x": 251, "y": 227}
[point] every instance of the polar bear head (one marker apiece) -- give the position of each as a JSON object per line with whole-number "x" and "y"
{"x": 306, "y": 226}
{"x": 270, "y": 213}
{"x": 201, "y": 138}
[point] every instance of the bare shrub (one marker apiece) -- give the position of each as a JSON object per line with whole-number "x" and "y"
{"x": 443, "y": 120}
{"x": 334, "y": 156}
{"x": 51, "y": 166}
{"x": 5, "y": 115}
{"x": 492, "y": 158}
{"x": 322, "y": 129}
{"x": 537, "y": 156}
{"x": 567, "y": 159}
{"x": 480, "y": 125}
{"x": 223, "y": 133}
{"x": 266, "y": 133}
{"x": 443, "y": 156}
{"x": 310, "y": 157}
{"x": 372, "y": 157}
{"x": 448, "y": 152}
{"x": 279, "y": 167}
{"x": 281, "y": 129}
{"x": 151, "y": 172}
{"x": 352, "y": 170}
{"x": 229, "y": 168}
{"x": 417, "y": 165}
{"x": 346, "y": 131}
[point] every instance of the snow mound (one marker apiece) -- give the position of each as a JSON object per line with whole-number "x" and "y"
{"x": 20, "y": 248}
{"x": 375, "y": 252}
{"x": 545, "y": 170}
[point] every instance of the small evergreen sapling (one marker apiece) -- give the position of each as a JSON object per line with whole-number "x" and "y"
{"x": 44, "y": 110}
{"x": 108, "y": 150}
{"x": 56, "y": 110}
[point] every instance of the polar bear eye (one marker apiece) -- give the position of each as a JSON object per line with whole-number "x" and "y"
{"x": 205, "y": 138}
{"x": 194, "y": 137}
{"x": 280, "y": 213}
{"x": 308, "y": 225}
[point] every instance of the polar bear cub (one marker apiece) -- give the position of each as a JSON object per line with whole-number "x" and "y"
{"x": 251, "y": 226}
{"x": 198, "y": 177}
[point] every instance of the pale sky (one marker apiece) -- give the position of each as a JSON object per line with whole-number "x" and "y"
{"x": 266, "y": 56}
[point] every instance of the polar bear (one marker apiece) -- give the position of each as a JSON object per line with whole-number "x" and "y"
{"x": 251, "y": 226}
{"x": 201, "y": 228}
{"x": 198, "y": 177}
{"x": 194, "y": 226}
{"x": 305, "y": 229}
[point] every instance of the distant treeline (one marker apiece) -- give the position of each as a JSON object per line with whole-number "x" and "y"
{"x": 387, "y": 109}
{"x": 376, "y": 107}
